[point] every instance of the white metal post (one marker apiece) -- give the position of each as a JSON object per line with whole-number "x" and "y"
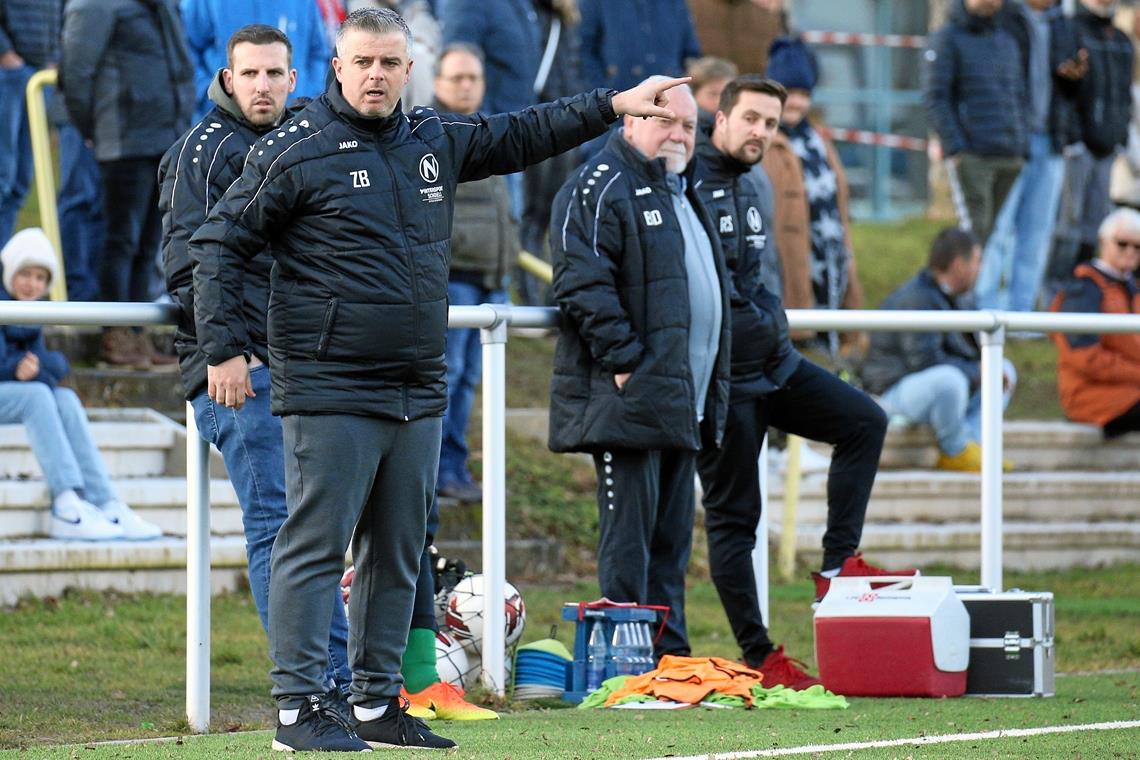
{"x": 494, "y": 340}
{"x": 992, "y": 409}
{"x": 760, "y": 551}
{"x": 197, "y": 577}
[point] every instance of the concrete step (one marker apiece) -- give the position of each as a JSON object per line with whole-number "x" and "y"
{"x": 1029, "y": 444}
{"x": 1026, "y": 546}
{"x": 131, "y": 449}
{"x": 45, "y": 567}
{"x": 24, "y": 505}
{"x": 922, "y": 496}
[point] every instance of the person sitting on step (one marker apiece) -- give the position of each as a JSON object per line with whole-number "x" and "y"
{"x": 56, "y": 424}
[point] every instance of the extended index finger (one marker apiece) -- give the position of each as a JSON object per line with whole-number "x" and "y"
{"x": 665, "y": 84}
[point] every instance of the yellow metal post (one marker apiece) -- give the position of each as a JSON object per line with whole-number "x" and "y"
{"x": 786, "y": 558}
{"x": 536, "y": 266}
{"x": 45, "y": 171}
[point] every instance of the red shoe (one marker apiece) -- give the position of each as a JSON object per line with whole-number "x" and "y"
{"x": 855, "y": 566}
{"x": 447, "y": 702}
{"x": 781, "y": 670}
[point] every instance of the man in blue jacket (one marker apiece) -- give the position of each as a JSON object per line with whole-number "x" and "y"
{"x": 209, "y": 24}
{"x": 355, "y": 200}
{"x": 977, "y": 103}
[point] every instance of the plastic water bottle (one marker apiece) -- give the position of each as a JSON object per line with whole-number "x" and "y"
{"x": 596, "y": 654}
{"x": 623, "y": 650}
{"x": 645, "y": 647}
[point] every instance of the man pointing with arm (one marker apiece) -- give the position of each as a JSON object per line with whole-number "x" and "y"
{"x": 354, "y": 199}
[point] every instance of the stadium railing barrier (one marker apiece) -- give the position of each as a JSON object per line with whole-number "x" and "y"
{"x": 493, "y": 322}
{"x": 44, "y": 170}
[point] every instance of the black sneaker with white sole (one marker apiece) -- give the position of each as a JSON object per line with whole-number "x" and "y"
{"x": 395, "y": 728}
{"x": 318, "y": 727}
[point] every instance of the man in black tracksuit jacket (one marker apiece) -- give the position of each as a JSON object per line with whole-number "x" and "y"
{"x": 641, "y": 369}
{"x": 771, "y": 384}
{"x": 249, "y": 97}
{"x": 354, "y": 199}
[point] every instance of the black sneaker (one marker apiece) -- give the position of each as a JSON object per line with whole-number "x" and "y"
{"x": 395, "y": 728}
{"x": 318, "y": 727}
{"x": 336, "y": 700}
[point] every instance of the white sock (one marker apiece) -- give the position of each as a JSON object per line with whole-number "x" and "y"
{"x": 830, "y": 573}
{"x": 364, "y": 714}
{"x": 288, "y": 717}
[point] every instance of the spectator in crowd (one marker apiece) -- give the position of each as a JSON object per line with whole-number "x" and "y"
{"x": 935, "y": 377}
{"x": 622, "y": 43}
{"x": 484, "y": 245}
{"x": 507, "y": 34}
{"x": 641, "y": 370}
{"x": 977, "y": 103}
{"x": 739, "y": 30}
{"x": 771, "y": 384}
{"x": 84, "y": 503}
{"x": 111, "y": 52}
{"x": 249, "y": 97}
{"x": 209, "y": 24}
{"x": 810, "y": 187}
{"x": 710, "y": 74}
{"x": 1101, "y": 104}
{"x": 1124, "y": 187}
{"x": 559, "y": 74}
{"x": 1014, "y": 257}
{"x": 1098, "y": 376}
{"x": 332, "y": 13}
{"x": 359, "y": 275}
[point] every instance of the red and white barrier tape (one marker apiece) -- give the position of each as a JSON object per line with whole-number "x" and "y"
{"x": 872, "y": 40}
{"x": 874, "y": 138}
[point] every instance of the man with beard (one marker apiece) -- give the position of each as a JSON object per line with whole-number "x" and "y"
{"x": 771, "y": 384}
{"x": 641, "y": 366}
{"x": 249, "y": 100}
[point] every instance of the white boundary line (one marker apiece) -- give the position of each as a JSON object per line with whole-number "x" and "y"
{"x": 917, "y": 741}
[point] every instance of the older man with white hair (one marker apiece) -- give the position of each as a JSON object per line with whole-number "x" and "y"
{"x": 1098, "y": 376}
{"x": 641, "y": 371}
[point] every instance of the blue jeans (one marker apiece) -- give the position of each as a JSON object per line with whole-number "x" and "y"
{"x": 940, "y": 397}
{"x": 81, "y": 226}
{"x": 15, "y": 147}
{"x": 1015, "y": 255}
{"x": 464, "y": 354}
{"x": 252, "y": 446}
{"x": 60, "y": 438}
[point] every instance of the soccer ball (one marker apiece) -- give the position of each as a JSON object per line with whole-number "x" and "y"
{"x": 465, "y": 613}
{"x": 451, "y": 661}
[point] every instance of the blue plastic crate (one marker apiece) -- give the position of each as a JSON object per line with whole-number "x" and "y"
{"x": 585, "y": 618}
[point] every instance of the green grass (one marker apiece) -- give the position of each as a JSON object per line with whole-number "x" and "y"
{"x": 89, "y": 667}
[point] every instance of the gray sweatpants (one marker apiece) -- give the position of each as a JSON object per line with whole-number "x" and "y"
{"x": 362, "y": 480}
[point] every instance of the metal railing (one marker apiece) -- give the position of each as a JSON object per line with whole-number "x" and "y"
{"x": 493, "y": 321}
{"x": 44, "y": 169}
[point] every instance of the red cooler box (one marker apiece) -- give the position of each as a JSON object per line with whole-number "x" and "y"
{"x": 910, "y": 638}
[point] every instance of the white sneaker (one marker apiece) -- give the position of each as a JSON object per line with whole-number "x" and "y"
{"x": 134, "y": 527}
{"x": 73, "y": 519}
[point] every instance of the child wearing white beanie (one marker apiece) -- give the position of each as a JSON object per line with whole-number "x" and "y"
{"x": 53, "y": 415}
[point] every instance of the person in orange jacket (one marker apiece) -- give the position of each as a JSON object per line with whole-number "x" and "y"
{"x": 1098, "y": 376}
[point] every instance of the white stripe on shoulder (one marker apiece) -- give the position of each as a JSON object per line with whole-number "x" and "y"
{"x": 461, "y": 123}
{"x": 274, "y": 163}
{"x": 566, "y": 221}
{"x": 211, "y": 169}
{"x": 598, "y": 210}
{"x": 424, "y": 121}
{"x": 178, "y": 163}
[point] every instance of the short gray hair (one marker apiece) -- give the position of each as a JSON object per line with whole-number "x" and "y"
{"x": 458, "y": 47}
{"x": 1122, "y": 219}
{"x": 375, "y": 21}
